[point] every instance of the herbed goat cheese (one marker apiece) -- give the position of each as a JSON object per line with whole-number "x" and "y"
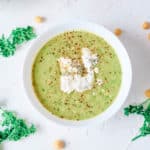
{"x": 71, "y": 78}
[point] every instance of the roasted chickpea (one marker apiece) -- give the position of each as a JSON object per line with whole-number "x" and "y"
{"x": 118, "y": 31}
{"x": 39, "y": 19}
{"x": 146, "y": 25}
{"x": 59, "y": 144}
{"x": 147, "y": 93}
{"x": 148, "y": 36}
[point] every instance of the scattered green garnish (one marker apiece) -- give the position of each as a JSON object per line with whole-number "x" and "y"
{"x": 143, "y": 110}
{"x": 17, "y": 37}
{"x": 13, "y": 127}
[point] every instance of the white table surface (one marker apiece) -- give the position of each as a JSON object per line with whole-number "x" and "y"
{"x": 116, "y": 133}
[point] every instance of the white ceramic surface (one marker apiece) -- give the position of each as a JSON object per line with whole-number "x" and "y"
{"x": 100, "y": 31}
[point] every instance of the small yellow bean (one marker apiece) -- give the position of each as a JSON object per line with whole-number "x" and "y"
{"x": 147, "y": 93}
{"x": 59, "y": 144}
{"x": 118, "y": 31}
{"x": 148, "y": 36}
{"x": 146, "y": 25}
{"x": 39, "y": 19}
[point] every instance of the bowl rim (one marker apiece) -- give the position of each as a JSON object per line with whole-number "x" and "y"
{"x": 107, "y": 36}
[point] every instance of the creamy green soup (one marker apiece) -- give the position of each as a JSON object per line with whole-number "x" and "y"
{"x": 76, "y": 105}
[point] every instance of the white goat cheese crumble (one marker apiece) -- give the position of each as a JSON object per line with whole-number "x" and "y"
{"x": 71, "y": 79}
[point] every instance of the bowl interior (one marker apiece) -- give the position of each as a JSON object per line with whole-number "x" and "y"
{"x": 98, "y": 30}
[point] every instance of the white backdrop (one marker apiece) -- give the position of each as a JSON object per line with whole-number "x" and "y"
{"x": 115, "y": 134}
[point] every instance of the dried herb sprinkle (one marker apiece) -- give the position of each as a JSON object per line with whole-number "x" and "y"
{"x": 17, "y": 37}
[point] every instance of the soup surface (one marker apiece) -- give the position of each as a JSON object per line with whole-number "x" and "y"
{"x": 76, "y": 75}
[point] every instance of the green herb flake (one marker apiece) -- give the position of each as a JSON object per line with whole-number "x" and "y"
{"x": 17, "y": 37}
{"x": 143, "y": 110}
{"x": 14, "y": 127}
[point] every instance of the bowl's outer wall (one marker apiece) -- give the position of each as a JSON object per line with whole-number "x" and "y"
{"x": 100, "y": 31}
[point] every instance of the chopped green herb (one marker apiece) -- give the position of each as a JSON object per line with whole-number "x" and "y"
{"x": 14, "y": 128}
{"x": 144, "y": 110}
{"x": 18, "y": 36}
{"x": 6, "y": 47}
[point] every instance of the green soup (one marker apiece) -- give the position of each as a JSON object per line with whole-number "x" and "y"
{"x": 76, "y": 105}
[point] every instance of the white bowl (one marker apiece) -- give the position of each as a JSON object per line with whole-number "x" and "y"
{"x": 98, "y": 30}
